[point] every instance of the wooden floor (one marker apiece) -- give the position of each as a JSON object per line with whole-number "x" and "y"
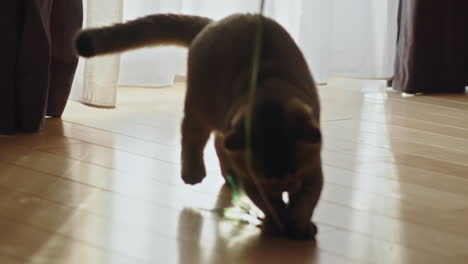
{"x": 102, "y": 186}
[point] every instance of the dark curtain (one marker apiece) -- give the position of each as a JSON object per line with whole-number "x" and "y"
{"x": 37, "y": 63}
{"x": 432, "y": 51}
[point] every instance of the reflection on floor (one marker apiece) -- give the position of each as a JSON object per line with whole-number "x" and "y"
{"x": 102, "y": 186}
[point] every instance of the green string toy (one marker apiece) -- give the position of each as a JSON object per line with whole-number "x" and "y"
{"x": 239, "y": 209}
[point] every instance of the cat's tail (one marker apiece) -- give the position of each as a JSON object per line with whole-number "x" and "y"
{"x": 160, "y": 29}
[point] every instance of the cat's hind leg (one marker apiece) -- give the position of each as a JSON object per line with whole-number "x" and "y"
{"x": 194, "y": 137}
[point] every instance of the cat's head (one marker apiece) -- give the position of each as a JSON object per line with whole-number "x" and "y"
{"x": 286, "y": 143}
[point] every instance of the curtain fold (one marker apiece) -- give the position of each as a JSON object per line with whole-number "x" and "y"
{"x": 38, "y": 63}
{"x": 363, "y": 38}
{"x": 102, "y": 73}
{"x": 338, "y": 37}
{"x": 432, "y": 54}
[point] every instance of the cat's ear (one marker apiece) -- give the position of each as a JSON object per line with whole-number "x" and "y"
{"x": 309, "y": 132}
{"x": 235, "y": 139}
{"x": 301, "y": 120}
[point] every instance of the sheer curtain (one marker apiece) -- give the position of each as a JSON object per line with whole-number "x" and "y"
{"x": 338, "y": 37}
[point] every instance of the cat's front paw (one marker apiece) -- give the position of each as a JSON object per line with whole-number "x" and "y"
{"x": 270, "y": 229}
{"x": 193, "y": 174}
{"x": 302, "y": 232}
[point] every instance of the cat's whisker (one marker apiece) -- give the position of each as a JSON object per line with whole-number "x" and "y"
{"x": 285, "y": 197}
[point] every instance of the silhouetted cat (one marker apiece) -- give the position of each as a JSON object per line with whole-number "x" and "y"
{"x": 286, "y": 138}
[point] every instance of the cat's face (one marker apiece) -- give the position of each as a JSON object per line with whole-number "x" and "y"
{"x": 286, "y": 144}
{"x": 279, "y": 176}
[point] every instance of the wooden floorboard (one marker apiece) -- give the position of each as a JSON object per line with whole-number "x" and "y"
{"x": 103, "y": 186}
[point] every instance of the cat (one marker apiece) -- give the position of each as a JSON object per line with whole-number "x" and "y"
{"x": 286, "y": 137}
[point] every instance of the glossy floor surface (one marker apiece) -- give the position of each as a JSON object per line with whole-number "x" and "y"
{"x": 102, "y": 186}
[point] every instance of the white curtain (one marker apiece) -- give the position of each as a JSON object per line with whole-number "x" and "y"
{"x": 338, "y": 37}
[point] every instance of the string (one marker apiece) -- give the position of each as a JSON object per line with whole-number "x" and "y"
{"x": 257, "y": 51}
{"x": 240, "y": 209}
